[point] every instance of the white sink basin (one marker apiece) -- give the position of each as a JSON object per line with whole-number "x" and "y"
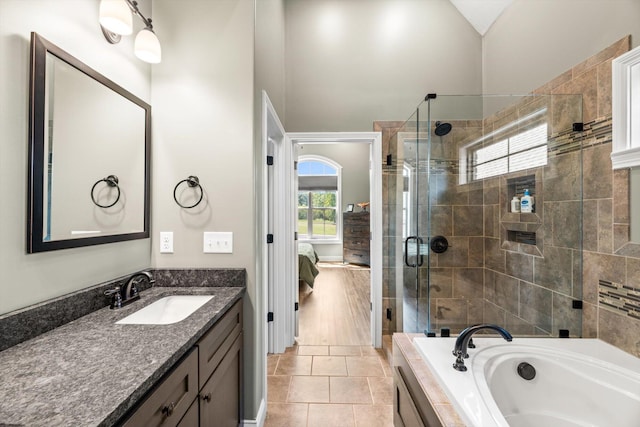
{"x": 166, "y": 310}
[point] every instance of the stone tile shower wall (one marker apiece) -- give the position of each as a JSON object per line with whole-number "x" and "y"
{"x": 611, "y": 264}
{"x": 530, "y": 286}
{"x": 485, "y": 278}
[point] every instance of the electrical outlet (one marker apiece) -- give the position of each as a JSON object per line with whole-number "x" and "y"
{"x": 166, "y": 242}
{"x": 220, "y": 243}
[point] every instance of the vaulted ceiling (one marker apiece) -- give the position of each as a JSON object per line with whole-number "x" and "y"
{"x": 481, "y": 14}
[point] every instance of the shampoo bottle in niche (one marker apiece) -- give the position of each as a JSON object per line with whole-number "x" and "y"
{"x": 526, "y": 203}
{"x": 515, "y": 204}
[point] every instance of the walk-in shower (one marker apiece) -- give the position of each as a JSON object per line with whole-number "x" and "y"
{"x": 452, "y": 170}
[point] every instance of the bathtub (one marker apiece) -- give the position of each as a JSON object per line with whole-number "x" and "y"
{"x": 577, "y": 382}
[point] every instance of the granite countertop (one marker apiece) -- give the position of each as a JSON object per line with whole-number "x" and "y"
{"x": 90, "y": 372}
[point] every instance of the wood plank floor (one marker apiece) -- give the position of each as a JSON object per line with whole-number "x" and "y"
{"x": 336, "y": 312}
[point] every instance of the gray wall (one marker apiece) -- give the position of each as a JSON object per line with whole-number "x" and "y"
{"x": 354, "y": 159}
{"x": 203, "y": 100}
{"x": 269, "y": 76}
{"x": 270, "y": 55}
{"x": 534, "y": 41}
{"x": 350, "y": 62}
{"x": 72, "y": 25}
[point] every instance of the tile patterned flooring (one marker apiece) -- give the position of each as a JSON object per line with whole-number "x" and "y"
{"x": 329, "y": 386}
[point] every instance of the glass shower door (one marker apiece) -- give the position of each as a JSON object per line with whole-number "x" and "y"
{"x": 456, "y": 254}
{"x": 407, "y": 214}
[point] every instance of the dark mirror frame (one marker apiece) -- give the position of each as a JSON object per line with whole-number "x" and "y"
{"x": 36, "y": 168}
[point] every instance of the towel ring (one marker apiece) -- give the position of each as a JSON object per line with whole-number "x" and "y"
{"x": 192, "y": 181}
{"x": 111, "y": 181}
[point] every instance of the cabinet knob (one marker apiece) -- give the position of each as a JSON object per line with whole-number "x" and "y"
{"x": 167, "y": 410}
{"x": 206, "y": 397}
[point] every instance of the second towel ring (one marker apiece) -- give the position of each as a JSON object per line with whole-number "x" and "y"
{"x": 192, "y": 181}
{"x": 112, "y": 181}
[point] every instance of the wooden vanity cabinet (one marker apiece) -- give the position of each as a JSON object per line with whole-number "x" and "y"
{"x": 171, "y": 398}
{"x": 411, "y": 407}
{"x": 204, "y": 388}
{"x": 220, "y": 396}
{"x": 220, "y": 361}
{"x": 192, "y": 417}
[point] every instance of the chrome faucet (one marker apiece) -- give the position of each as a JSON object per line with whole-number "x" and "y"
{"x": 462, "y": 342}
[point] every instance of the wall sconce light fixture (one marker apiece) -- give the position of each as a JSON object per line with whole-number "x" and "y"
{"x": 116, "y": 20}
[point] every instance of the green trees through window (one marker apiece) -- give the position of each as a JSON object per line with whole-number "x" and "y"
{"x": 317, "y": 200}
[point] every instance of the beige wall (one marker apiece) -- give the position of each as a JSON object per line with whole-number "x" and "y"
{"x": 270, "y": 54}
{"x": 268, "y": 76}
{"x": 72, "y": 25}
{"x": 203, "y": 125}
{"x": 534, "y": 41}
{"x": 351, "y": 62}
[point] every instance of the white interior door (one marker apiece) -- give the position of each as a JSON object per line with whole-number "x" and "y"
{"x": 296, "y": 293}
{"x": 278, "y": 242}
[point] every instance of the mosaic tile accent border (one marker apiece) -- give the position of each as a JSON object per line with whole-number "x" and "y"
{"x": 619, "y": 298}
{"x": 595, "y": 133}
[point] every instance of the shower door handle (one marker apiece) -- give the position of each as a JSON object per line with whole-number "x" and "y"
{"x": 419, "y": 243}
{"x": 419, "y": 258}
{"x": 406, "y": 252}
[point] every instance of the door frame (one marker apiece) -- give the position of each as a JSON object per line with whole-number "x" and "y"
{"x": 278, "y": 264}
{"x": 374, "y": 139}
{"x": 275, "y": 208}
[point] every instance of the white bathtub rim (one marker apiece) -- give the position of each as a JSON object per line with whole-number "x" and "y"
{"x": 473, "y": 409}
{"x": 489, "y": 358}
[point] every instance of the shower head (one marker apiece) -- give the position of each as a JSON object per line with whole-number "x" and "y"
{"x": 442, "y": 128}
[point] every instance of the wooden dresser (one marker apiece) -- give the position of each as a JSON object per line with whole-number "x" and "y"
{"x": 356, "y": 237}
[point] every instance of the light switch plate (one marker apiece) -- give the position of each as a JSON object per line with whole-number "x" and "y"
{"x": 166, "y": 242}
{"x": 218, "y": 242}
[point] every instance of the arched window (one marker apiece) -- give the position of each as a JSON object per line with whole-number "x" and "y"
{"x": 319, "y": 199}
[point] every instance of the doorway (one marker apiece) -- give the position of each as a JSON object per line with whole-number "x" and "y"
{"x": 373, "y": 142}
{"x": 279, "y": 269}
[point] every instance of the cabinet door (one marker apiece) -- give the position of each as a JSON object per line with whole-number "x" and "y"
{"x": 405, "y": 412}
{"x": 220, "y": 401}
{"x": 216, "y": 343}
{"x": 192, "y": 417}
{"x": 171, "y": 399}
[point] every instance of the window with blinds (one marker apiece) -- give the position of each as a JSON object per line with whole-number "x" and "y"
{"x": 524, "y": 150}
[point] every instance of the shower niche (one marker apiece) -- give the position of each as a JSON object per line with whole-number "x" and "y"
{"x": 522, "y": 232}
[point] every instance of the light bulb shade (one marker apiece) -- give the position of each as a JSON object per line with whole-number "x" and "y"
{"x": 115, "y": 16}
{"x": 147, "y": 46}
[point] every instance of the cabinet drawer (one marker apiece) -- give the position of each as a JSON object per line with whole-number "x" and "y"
{"x": 220, "y": 396}
{"x": 214, "y": 345}
{"x": 356, "y": 230}
{"x": 356, "y": 256}
{"x": 171, "y": 399}
{"x": 362, "y": 245}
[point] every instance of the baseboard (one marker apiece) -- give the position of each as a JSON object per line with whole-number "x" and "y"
{"x": 330, "y": 258}
{"x": 260, "y": 418}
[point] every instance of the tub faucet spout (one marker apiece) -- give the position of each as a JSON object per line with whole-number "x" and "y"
{"x": 462, "y": 342}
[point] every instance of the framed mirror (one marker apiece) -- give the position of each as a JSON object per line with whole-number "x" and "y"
{"x": 89, "y": 155}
